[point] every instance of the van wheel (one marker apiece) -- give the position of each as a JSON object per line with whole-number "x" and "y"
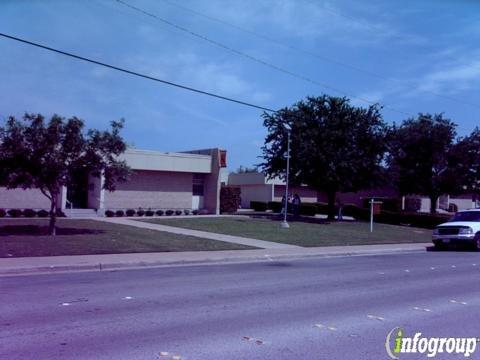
{"x": 439, "y": 246}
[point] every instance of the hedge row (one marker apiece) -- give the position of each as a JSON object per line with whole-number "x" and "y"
{"x": 29, "y": 213}
{"x": 427, "y": 221}
{"x": 149, "y": 212}
{"x": 309, "y": 209}
{"x": 413, "y": 219}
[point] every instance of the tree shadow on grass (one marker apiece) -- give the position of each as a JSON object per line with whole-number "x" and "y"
{"x": 291, "y": 218}
{"x": 35, "y": 230}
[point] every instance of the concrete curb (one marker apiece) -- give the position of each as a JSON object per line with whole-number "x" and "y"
{"x": 260, "y": 257}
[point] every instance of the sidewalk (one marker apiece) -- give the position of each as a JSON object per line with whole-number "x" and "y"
{"x": 52, "y": 264}
{"x": 262, "y": 244}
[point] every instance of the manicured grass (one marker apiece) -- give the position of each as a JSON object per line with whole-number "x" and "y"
{"x": 27, "y": 237}
{"x": 303, "y": 233}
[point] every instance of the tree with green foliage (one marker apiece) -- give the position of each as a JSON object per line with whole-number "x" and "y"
{"x": 421, "y": 157}
{"x": 334, "y": 146}
{"x": 47, "y": 155}
{"x": 245, "y": 170}
{"x": 466, "y": 157}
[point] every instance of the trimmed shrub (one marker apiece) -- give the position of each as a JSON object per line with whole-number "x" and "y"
{"x": 130, "y": 212}
{"x": 159, "y": 212}
{"x": 149, "y": 212}
{"x": 391, "y": 204}
{"x": 14, "y": 213}
{"x": 60, "y": 213}
{"x": 178, "y": 212}
{"x": 412, "y": 204}
{"x": 356, "y": 212}
{"x": 30, "y": 213}
{"x": 203, "y": 212}
{"x": 109, "y": 213}
{"x": 229, "y": 199}
{"x": 140, "y": 212}
{"x": 119, "y": 213}
{"x": 426, "y": 221}
{"x": 308, "y": 209}
{"x": 452, "y": 208}
{"x": 169, "y": 212}
{"x": 322, "y": 208}
{"x": 186, "y": 212}
{"x": 258, "y": 205}
{"x": 42, "y": 213}
{"x": 275, "y": 206}
{"x": 388, "y": 204}
{"x": 3, "y": 213}
{"x": 195, "y": 212}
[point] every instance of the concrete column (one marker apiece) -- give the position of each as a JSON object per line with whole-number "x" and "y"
{"x": 213, "y": 184}
{"x": 96, "y": 193}
{"x": 62, "y": 199}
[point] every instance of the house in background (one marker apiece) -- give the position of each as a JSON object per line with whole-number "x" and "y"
{"x": 159, "y": 180}
{"x": 258, "y": 187}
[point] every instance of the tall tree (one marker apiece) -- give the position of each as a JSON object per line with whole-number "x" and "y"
{"x": 420, "y": 157}
{"x": 466, "y": 157}
{"x": 48, "y": 155}
{"x": 334, "y": 145}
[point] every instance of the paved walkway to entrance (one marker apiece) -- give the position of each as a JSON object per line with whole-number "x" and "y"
{"x": 202, "y": 234}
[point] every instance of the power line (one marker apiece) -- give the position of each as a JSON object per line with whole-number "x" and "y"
{"x": 134, "y": 73}
{"x": 253, "y": 58}
{"x": 316, "y": 55}
{"x": 131, "y": 72}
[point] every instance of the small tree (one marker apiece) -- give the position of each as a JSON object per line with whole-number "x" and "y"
{"x": 334, "y": 145}
{"x": 46, "y": 156}
{"x": 420, "y": 157}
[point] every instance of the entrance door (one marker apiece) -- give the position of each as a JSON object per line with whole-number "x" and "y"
{"x": 77, "y": 193}
{"x": 197, "y": 202}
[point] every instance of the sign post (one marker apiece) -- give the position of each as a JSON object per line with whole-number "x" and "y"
{"x": 374, "y": 208}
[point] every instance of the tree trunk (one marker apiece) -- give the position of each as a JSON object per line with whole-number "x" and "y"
{"x": 53, "y": 215}
{"x": 433, "y": 204}
{"x": 331, "y": 204}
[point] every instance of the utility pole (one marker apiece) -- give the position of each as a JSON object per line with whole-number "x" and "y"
{"x": 284, "y": 223}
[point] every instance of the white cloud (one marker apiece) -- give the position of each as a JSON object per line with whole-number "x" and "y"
{"x": 305, "y": 19}
{"x": 189, "y": 69}
{"x": 453, "y": 78}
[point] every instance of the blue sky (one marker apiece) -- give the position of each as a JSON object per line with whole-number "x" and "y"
{"x": 403, "y": 54}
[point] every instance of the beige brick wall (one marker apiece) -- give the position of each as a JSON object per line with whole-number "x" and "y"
{"x": 23, "y": 199}
{"x": 306, "y": 194}
{"x": 255, "y": 193}
{"x": 152, "y": 189}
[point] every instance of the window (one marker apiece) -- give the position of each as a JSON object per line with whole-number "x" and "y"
{"x": 197, "y": 186}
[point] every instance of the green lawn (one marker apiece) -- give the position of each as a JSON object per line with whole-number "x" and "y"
{"x": 27, "y": 237}
{"x": 303, "y": 233}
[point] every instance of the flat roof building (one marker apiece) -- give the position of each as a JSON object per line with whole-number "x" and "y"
{"x": 256, "y": 186}
{"x": 160, "y": 180}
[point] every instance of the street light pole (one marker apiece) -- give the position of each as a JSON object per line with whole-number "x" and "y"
{"x": 285, "y": 206}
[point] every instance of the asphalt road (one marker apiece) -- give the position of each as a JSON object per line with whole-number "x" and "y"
{"x": 330, "y": 308}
